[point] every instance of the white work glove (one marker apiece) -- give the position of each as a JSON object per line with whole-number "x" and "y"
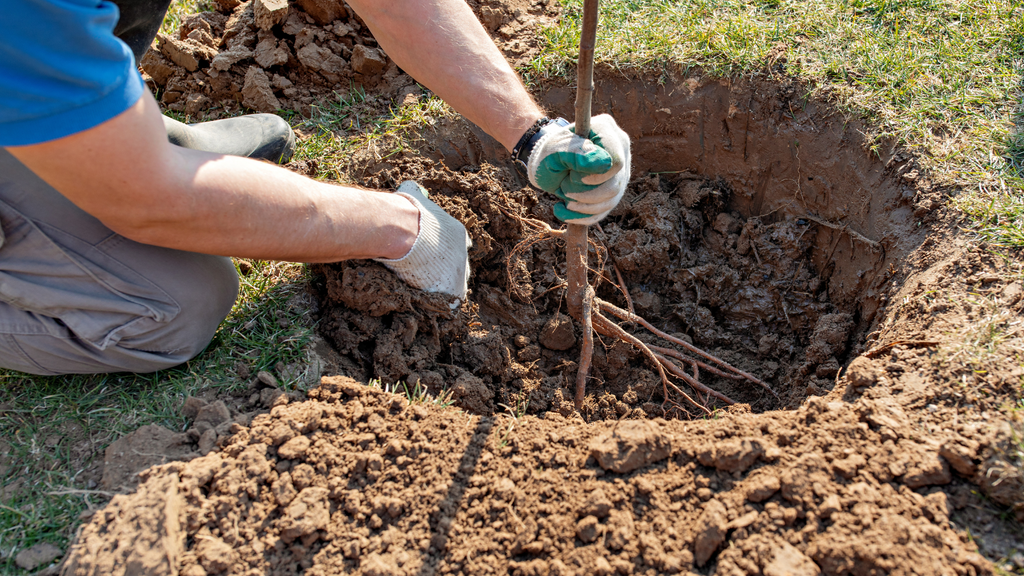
{"x": 588, "y": 175}
{"x": 438, "y": 260}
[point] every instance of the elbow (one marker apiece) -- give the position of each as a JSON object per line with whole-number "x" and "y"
{"x": 153, "y": 216}
{"x": 140, "y": 226}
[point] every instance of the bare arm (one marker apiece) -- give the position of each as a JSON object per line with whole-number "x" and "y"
{"x": 125, "y": 173}
{"x": 441, "y": 44}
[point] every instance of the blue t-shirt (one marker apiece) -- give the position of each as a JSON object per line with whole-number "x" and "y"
{"x": 62, "y": 70}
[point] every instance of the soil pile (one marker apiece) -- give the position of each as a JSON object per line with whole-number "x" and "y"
{"x": 872, "y": 474}
{"x": 355, "y": 480}
{"x": 269, "y": 55}
{"x": 742, "y": 289}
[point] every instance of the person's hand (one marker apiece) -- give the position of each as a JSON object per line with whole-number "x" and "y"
{"x": 588, "y": 175}
{"x": 438, "y": 260}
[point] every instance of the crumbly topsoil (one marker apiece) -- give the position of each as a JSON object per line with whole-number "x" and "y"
{"x": 868, "y": 463}
{"x": 355, "y": 480}
{"x": 269, "y": 55}
{"x": 686, "y": 262}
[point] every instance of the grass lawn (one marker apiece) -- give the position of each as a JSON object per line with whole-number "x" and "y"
{"x": 943, "y": 78}
{"x": 50, "y": 426}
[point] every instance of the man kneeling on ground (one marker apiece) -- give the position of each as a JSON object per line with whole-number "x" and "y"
{"x": 117, "y": 222}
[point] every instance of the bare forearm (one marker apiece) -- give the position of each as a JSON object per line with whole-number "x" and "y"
{"x": 444, "y": 47}
{"x": 126, "y": 174}
{"x": 240, "y": 207}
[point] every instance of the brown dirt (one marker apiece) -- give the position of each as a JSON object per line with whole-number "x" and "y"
{"x": 355, "y": 480}
{"x": 269, "y": 55}
{"x": 761, "y": 226}
{"x": 714, "y": 245}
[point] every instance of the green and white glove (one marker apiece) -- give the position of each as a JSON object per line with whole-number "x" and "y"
{"x": 588, "y": 175}
{"x": 439, "y": 258}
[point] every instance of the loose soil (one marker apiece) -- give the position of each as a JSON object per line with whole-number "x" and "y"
{"x": 760, "y": 225}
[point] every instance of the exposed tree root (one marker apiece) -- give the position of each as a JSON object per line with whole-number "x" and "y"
{"x": 582, "y": 302}
{"x": 606, "y": 327}
{"x": 736, "y": 373}
{"x": 591, "y": 314}
{"x": 587, "y": 351}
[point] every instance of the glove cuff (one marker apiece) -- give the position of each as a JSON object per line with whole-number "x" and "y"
{"x": 521, "y": 153}
{"x": 427, "y": 265}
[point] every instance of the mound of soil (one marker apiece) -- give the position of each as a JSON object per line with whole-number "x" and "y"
{"x": 269, "y": 55}
{"x": 759, "y": 226}
{"x": 355, "y": 480}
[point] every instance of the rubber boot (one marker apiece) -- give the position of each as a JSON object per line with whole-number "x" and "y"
{"x": 138, "y": 23}
{"x": 261, "y": 136}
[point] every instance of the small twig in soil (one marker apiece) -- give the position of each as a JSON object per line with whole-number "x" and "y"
{"x": 844, "y": 228}
{"x": 875, "y": 352}
{"x": 782, "y": 302}
{"x": 624, "y": 289}
{"x": 753, "y": 246}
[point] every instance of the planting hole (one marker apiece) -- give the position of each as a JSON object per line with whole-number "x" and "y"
{"x": 759, "y": 225}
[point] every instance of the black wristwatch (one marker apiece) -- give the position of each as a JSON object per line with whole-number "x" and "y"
{"x": 526, "y": 144}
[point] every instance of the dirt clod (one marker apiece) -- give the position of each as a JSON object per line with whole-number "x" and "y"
{"x": 190, "y": 408}
{"x": 789, "y": 561}
{"x": 558, "y": 333}
{"x": 630, "y": 445}
{"x": 931, "y": 469}
{"x": 710, "y": 530}
{"x": 212, "y": 415}
{"x": 37, "y": 555}
{"x": 368, "y": 61}
{"x": 215, "y": 555}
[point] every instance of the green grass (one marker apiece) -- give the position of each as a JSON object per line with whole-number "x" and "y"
{"x": 357, "y": 121}
{"x": 416, "y": 393}
{"x": 178, "y": 10}
{"x": 52, "y": 427}
{"x": 940, "y": 77}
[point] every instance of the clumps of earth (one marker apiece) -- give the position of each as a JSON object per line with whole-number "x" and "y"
{"x": 359, "y": 481}
{"x": 739, "y": 288}
{"x": 268, "y": 55}
{"x": 212, "y": 423}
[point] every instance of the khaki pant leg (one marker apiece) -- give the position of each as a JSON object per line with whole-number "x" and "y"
{"x": 75, "y": 297}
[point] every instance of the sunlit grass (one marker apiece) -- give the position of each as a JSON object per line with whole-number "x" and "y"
{"x": 339, "y": 126}
{"x": 50, "y": 427}
{"x": 940, "y": 77}
{"x": 178, "y": 10}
